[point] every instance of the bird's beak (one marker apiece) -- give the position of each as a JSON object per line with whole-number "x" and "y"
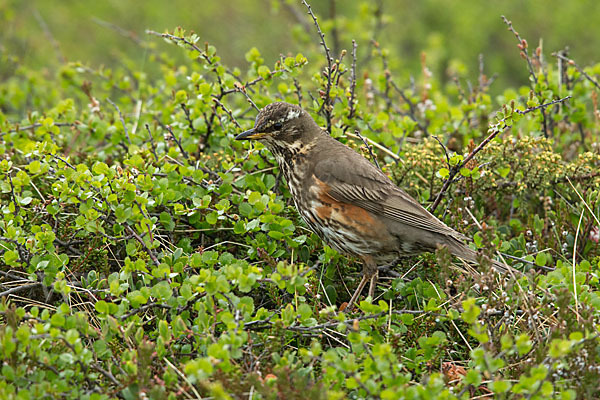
{"x": 250, "y": 134}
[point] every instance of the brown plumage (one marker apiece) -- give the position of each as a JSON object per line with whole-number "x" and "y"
{"x": 346, "y": 200}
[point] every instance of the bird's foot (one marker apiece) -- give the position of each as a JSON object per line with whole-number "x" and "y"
{"x": 372, "y": 279}
{"x": 373, "y": 284}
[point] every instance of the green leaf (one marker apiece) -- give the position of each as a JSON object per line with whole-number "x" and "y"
{"x": 167, "y": 221}
{"x": 204, "y": 89}
{"x": 10, "y": 256}
{"x": 443, "y": 173}
{"x": 162, "y": 291}
{"x": 540, "y": 259}
{"x": 212, "y": 217}
{"x": 305, "y": 311}
{"x": 163, "y": 330}
{"x": 264, "y": 72}
{"x": 276, "y": 235}
{"x": 559, "y": 348}
{"x": 101, "y": 306}
{"x": 25, "y": 200}
{"x": 466, "y": 172}
{"x": 245, "y": 209}
{"x": 473, "y": 377}
{"x": 503, "y": 171}
{"x": 500, "y": 386}
{"x": 34, "y": 167}
{"x": 57, "y": 320}
{"x": 471, "y": 311}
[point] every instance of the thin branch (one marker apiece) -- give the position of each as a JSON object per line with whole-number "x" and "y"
{"x": 357, "y": 133}
{"x": 412, "y": 110}
{"x": 298, "y": 90}
{"x": 68, "y": 164}
{"x": 152, "y": 144}
{"x": 297, "y": 15}
{"x": 326, "y": 96}
{"x": 20, "y": 288}
{"x": 228, "y": 112}
{"x": 123, "y": 32}
{"x": 143, "y": 308}
{"x": 122, "y": 120}
{"x": 380, "y": 147}
{"x": 37, "y": 125}
{"x": 188, "y": 117}
{"x": 141, "y": 241}
{"x": 542, "y": 106}
{"x": 444, "y": 148}
{"x": 581, "y": 71}
{"x": 12, "y": 193}
{"x": 106, "y": 374}
{"x": 522, "y": 46}
{"x": 242, "y": 90}
{"x": 352, "y": 80}
{"x": 183, "y": 152}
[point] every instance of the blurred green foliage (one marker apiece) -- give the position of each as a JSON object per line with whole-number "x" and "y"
{"x": 144, "y": 253}
{"x": 451, "y": 33}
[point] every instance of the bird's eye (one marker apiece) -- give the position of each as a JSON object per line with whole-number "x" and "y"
{"x": 278, "y": 126}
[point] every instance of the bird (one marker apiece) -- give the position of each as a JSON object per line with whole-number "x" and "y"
{"x": 346, "y": 200}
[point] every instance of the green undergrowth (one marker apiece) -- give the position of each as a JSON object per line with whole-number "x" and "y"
{"x": 146, "y": 254}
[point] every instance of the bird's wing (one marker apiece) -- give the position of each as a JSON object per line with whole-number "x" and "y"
{"x": 354, "y": 180}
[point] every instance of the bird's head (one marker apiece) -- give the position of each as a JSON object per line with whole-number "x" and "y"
{"x": 282, "y": 127}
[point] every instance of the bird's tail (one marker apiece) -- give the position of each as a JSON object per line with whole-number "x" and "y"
{"x": 461, "y": 250}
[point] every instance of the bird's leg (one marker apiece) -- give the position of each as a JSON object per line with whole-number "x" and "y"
{"x": 370, "y": 274}
{"x": 373, "y": 283}
{"x": 359, "y": 289}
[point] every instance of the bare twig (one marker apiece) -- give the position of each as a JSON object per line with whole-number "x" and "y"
{"x": 387, "y": 74}
{"x": 143, "y": 308}
{"x": 202, "y": 54}
{"x": 325, "y": 106}
{"x": 375, "y": 144}
{"x": 262, "y": 324}
{"x": 523, "y": 47}
{"x": 17, "y": 289}
{"x": 123, "y": 32}
{"x": 412, "y": 110}
{"x": 542, "y": 106}
{"x": 357, "y": 133}
{"x": 243, "y": 86}
{"x": 152, "y": 144}
{"x": 141, "y": 241}
{"x": 298, "y": 90}
{"x": 228, "y": 112}
{"x": 183, "y": 152}
{"x": 352, "y": 80}
{"x": 581, "y": 71}
{"x": 35, "y": 126}
{"x": 188, "y": 117}
{"x": 12, "y": 193}
{"x": 106, "y": 373}
{"x": 68, "y": 164}
{"x": 122, "y": 120}
{"x": 444, "y": 148}
{"x": 242, "y": 90}
{"x": 573, "y": 265}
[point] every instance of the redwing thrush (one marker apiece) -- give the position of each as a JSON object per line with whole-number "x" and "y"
{"x": 346, "y": 200}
